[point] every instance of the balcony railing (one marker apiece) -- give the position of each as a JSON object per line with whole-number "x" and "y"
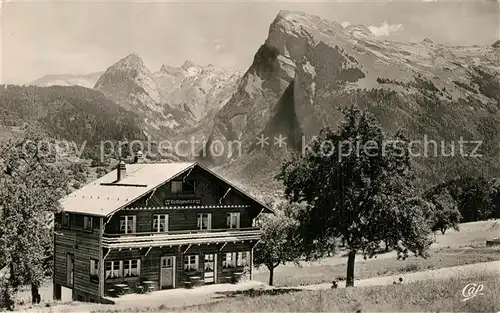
{"x": 176, "y": 238}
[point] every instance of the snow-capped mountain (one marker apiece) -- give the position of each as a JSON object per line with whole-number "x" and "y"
{"x": 172, "y": 99}
{"x": 87, "y": 80}
{"x": 309, "y": 66}
{"x": 306, "y": 68}
{"x": 197, "y": 89}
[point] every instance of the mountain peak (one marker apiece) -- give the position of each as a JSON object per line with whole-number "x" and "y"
{"x": 133, "y": 60}
{"x": 187, "y": 64}
{"x": 293, "y": 21}
{"x": 427, "y": 40}
{"x": 358, "y": 30}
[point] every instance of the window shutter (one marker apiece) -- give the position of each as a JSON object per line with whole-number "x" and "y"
{"x": 133, "y": 223}
{"x": 209, "y": 220}
{"x": 166, "y": 222}
{"x": 138, "y": 267}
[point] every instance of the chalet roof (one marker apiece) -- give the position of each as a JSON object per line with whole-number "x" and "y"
{"x": 104, "y": 196}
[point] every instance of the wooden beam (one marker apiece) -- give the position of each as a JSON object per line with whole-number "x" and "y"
{"x": 222, "y": 198}
{"x": 106, "y": 255}
{"x": 225, "y": 243}
{"x": 148, "y": 251}
{"x": 151, "y": 196}
{"x": 187, "y": 248}
{"x": 258, "y": 241}
{"x": 189, "y": 172}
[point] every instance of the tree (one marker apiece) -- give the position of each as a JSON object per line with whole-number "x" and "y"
{"x": 31, "y": 186}
{"x": 278, "y": 244}
{"x": 446, "y": 214}
{"x": 474, "y": 196}
{"x": 359, "y": 195}
{"x": 495, "y": 197}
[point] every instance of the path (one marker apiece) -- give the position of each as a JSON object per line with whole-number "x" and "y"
{"x": 178, "y": 298}
{"x": 441, "y": 273}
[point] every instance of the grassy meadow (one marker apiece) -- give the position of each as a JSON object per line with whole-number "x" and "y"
{"x": 452, "y": 249}
{"x": 466, "y": 246}
{"x": 425, "y": 296}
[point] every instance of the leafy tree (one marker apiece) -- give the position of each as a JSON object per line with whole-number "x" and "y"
{"x": 358, "y": 196}
{"x": 446, "y": 214}
{"x": 30, "y": 189}
{"x": 278, "y": 242}
{"x": 495, "y": 197}
{"x": 474, "y": 196}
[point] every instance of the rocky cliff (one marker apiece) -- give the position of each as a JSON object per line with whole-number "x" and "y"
{"x": 308, "y": 67}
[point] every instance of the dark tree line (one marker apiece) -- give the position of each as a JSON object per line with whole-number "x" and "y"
{"x": 475, "y": 198}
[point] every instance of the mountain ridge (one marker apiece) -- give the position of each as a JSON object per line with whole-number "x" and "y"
{"x": 425, "y": 87}
{"x": 306, "y": 69}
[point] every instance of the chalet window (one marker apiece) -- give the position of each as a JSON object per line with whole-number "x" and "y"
{"x": 176, "y": 186}
{"x": 243, "y": 259}
{"x": 229, "y": 260}
{"x": 182, "y": 187}
{"x": 88, "y": 223}
{"x": 204, "y": 221}
{"x": 132, "y": 268}
{"x": 190, "y": 263}
{"x": 65, "y": 219}
{"x": 127, "y": 224}
{"x": 114, "y": 269}
{"x": 160, "y": 223}
{"x": 233, "y": 220}
{"x": 94, "y": 269}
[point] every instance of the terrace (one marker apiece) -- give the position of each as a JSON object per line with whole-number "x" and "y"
{"x": 177, "y": 238}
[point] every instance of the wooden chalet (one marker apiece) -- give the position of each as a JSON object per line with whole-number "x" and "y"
{"x": 153, "y": 226}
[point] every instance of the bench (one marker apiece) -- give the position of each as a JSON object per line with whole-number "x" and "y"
{"x": 139, "y": 289}
{"x": 112, "y": 292}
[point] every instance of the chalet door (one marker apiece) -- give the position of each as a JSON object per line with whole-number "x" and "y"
{"x": 70, "y": 269}
{"x": 209, "y": 268}
{"x": 167, "y": 264}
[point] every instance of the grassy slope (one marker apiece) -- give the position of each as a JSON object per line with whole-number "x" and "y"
{"x": 429, "y": 296}
{"x": 454, "y": 248}
{"x": 324, "y": 273}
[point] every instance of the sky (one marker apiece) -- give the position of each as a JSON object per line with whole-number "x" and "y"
{"x": 70, "y": 37}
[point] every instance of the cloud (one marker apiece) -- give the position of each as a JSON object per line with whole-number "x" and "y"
{"x": 345, "y": 24}
{"x": 385, "y": 29}
{"x": 218, "y": 43}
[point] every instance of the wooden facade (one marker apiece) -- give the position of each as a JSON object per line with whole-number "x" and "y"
{"x": 195, "y": 228}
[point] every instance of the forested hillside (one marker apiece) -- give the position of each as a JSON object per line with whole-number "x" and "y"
{"x": 71, "y": 113}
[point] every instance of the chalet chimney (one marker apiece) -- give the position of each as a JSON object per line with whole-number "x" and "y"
{"x": 121, "y": 171}
{"x": 139, "y": 157}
